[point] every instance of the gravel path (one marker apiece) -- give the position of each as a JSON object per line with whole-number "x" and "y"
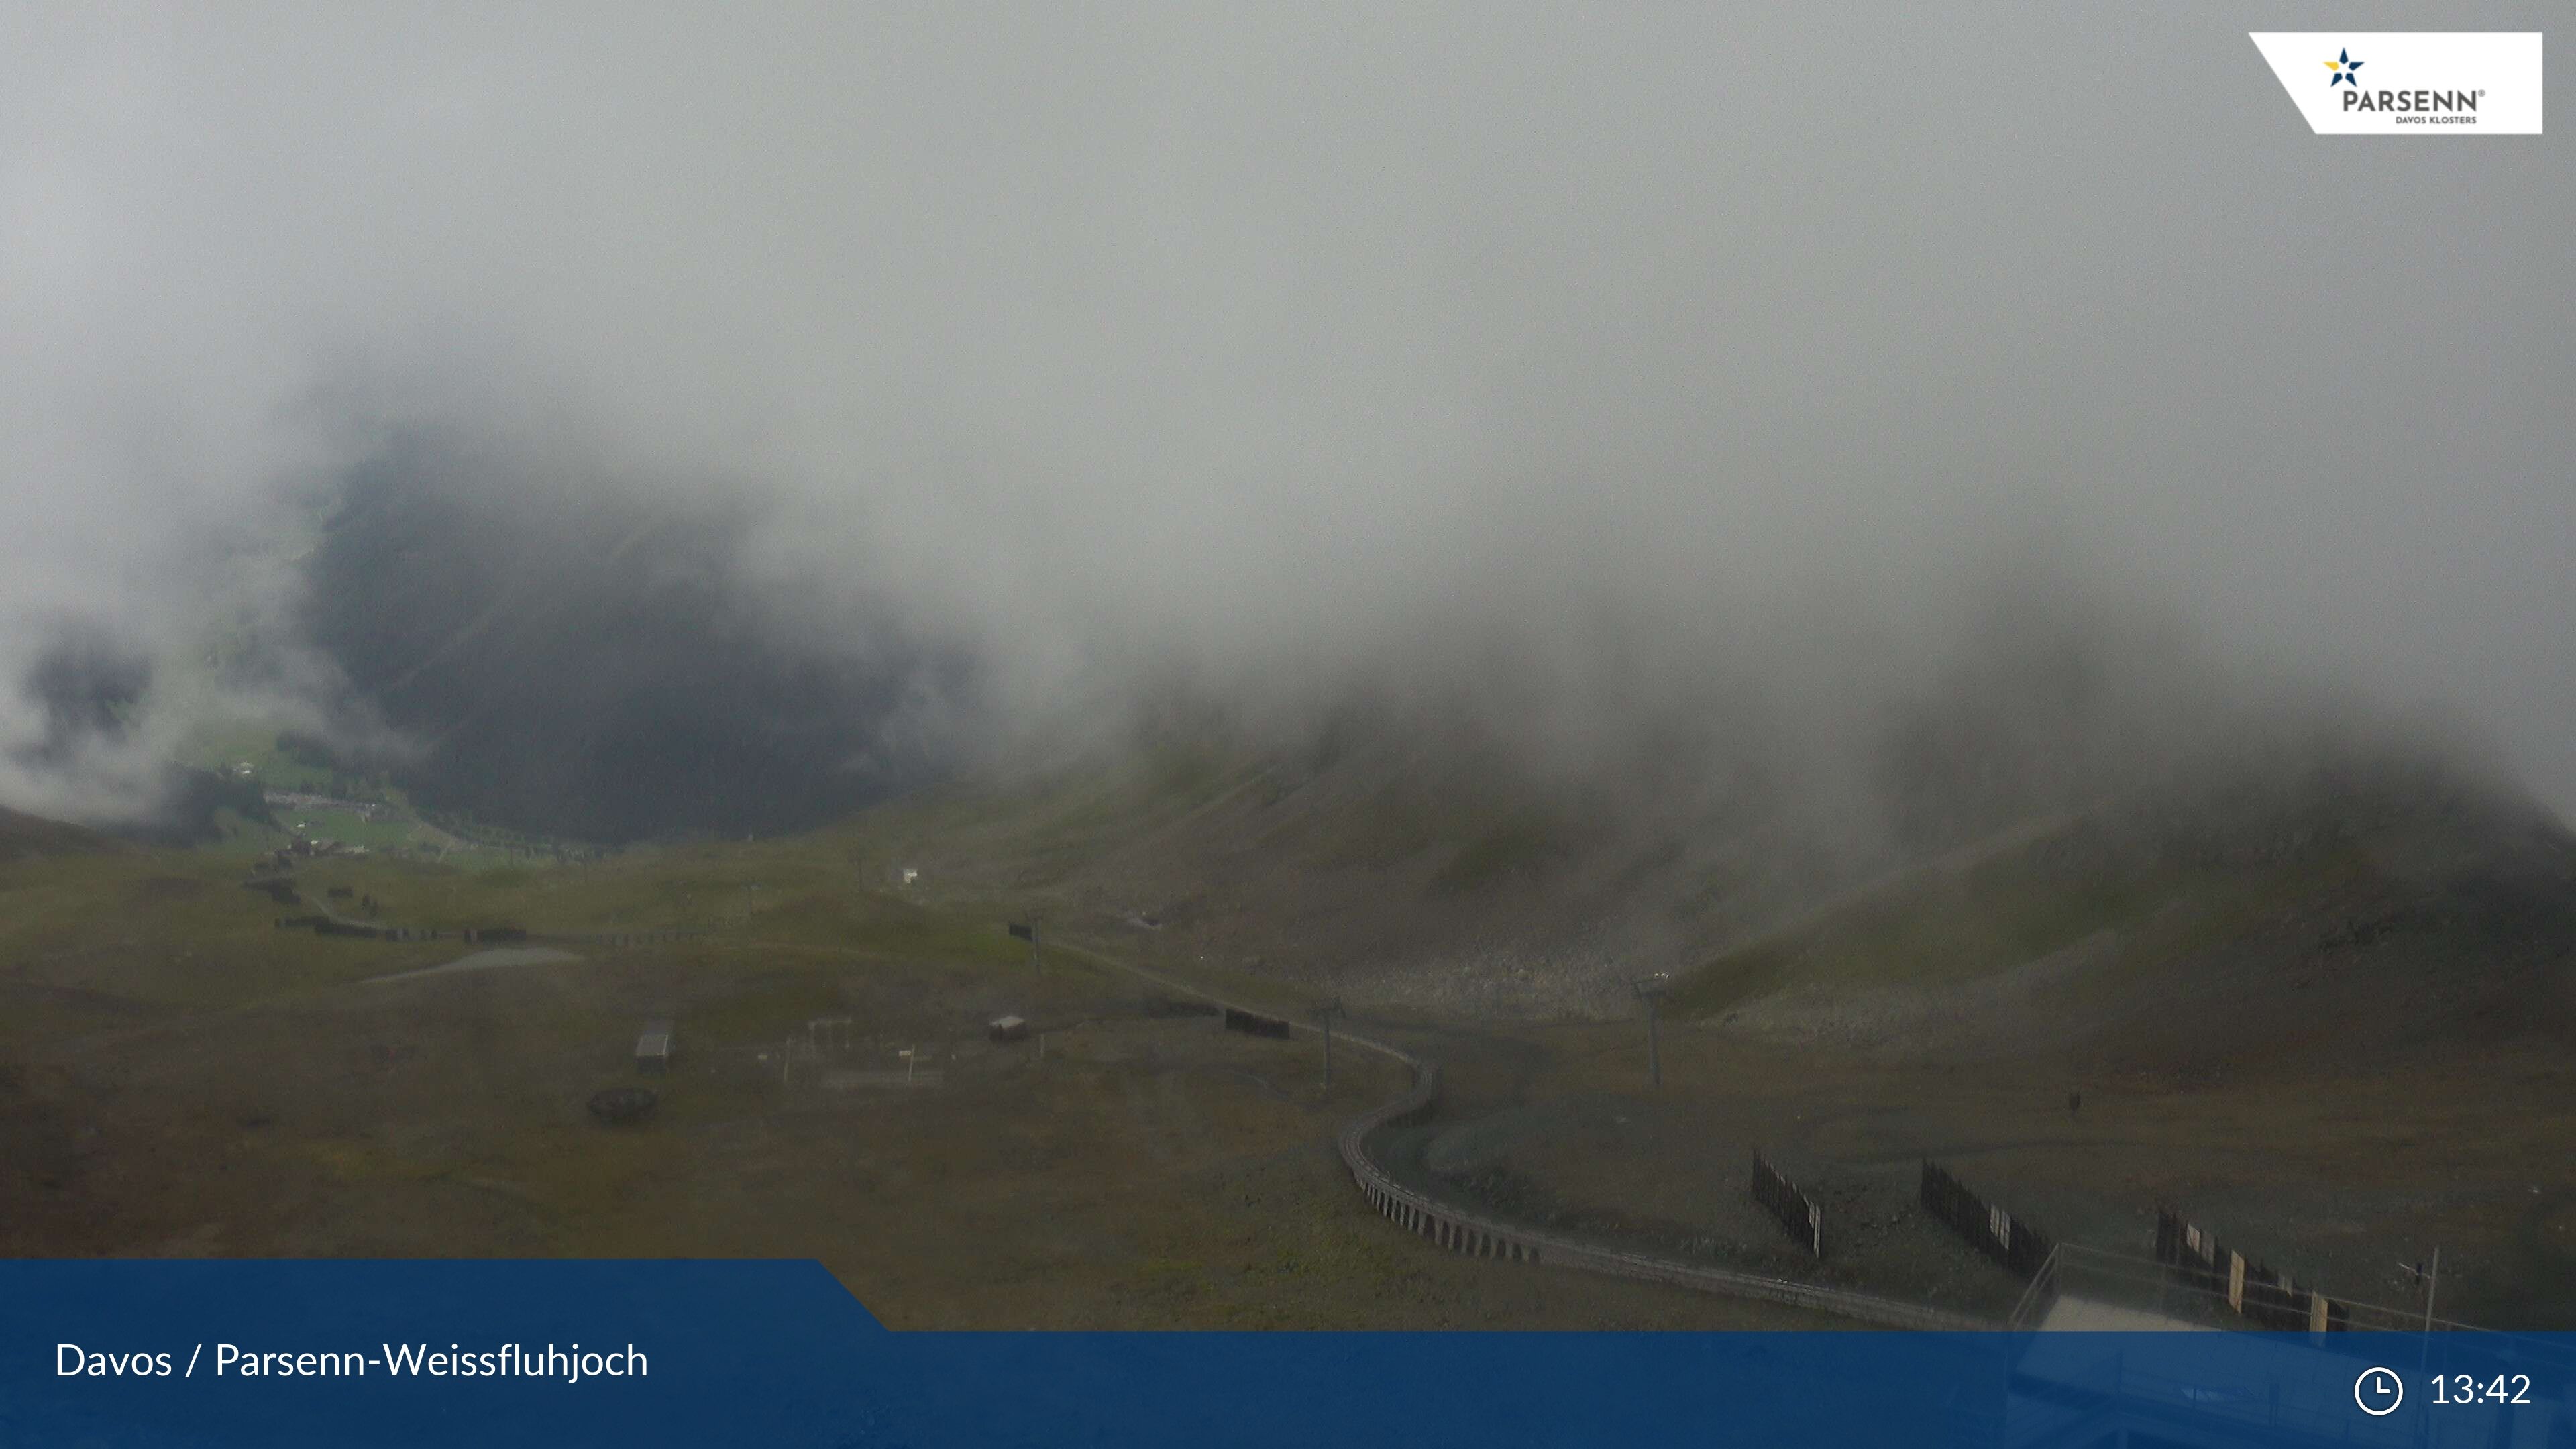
{"x": 493, "y": 959}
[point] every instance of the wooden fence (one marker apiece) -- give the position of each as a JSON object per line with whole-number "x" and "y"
{"x": 2265, "y": 1298}
{"x": 1987, "y": 1227}
{"x": 1254, "y": 1025}
{"x": 1795, "y": 1211}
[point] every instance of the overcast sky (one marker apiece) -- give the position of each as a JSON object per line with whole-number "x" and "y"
{"x": 1257, "y": 338}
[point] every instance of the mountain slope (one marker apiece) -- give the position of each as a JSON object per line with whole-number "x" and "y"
{"x": 2365, "y": 900}
{"x": 25, "y": 837}
{"x": 2361, "y": 910}
{"x": 597, "y": 669}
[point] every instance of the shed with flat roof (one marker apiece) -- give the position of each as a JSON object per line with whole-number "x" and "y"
{"x": 654, "y": 1048}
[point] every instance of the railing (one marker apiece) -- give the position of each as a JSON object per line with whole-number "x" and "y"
{"x": 2039, "y": 1296}
{"x": 1473, "y": 1234}
{"x": 2168, "y": 1290}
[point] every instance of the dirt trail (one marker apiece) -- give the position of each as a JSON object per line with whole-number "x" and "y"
{"x": 494, "y": 959}
{"x": 1954, "y": 861}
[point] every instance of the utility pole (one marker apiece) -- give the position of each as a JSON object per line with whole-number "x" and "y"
{"x": 1325, "y": 1014}
{"x": 1648, "y": 989}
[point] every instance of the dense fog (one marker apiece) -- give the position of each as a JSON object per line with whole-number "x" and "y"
{"x": 804, "y": 402}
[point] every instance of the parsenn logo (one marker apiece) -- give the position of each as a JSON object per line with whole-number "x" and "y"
{"x": 2347, "y": 72}
{"x": 2423, "y": 83}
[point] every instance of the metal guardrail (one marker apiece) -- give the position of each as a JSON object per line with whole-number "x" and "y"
{"x": 2037, "y": 1299}
{"x": 1478, "y": 1236}
{"x": 1473, "y": 1234}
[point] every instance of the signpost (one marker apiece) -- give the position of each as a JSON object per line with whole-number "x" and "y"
{"x": 1324, "y": 1014}
{"x": 1029, "y": 932}
{"x": 788, "y": 1053}
{"x": 1648, "y": 989}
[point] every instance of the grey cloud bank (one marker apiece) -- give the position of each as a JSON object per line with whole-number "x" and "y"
{"x": 1295, "y": 348}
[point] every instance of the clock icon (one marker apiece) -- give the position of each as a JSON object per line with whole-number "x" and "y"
{"x": 2378, "y": 1391}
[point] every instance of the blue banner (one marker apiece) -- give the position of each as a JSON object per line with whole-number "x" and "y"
{"x": 778, "y": 1354}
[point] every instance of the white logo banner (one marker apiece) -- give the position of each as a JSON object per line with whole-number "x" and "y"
{"x": 2420, "y": 83}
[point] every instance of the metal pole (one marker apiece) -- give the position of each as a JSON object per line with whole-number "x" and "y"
{"x": 1647, "y": 989}
{"x": 2432, "y": 1281}
{"x": 1654, "y": 1056}
{"x": 1325, "y": 1014}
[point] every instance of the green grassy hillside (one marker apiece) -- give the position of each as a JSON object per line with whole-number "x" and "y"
{"x": 2394, "y": 913}
{"x": 2362, "y": 891}
{"x": 179, "y": 1077}
{"x": 27, "y": 836}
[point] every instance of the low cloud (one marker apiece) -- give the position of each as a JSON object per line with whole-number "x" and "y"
{"x": 1597, "y": 371}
